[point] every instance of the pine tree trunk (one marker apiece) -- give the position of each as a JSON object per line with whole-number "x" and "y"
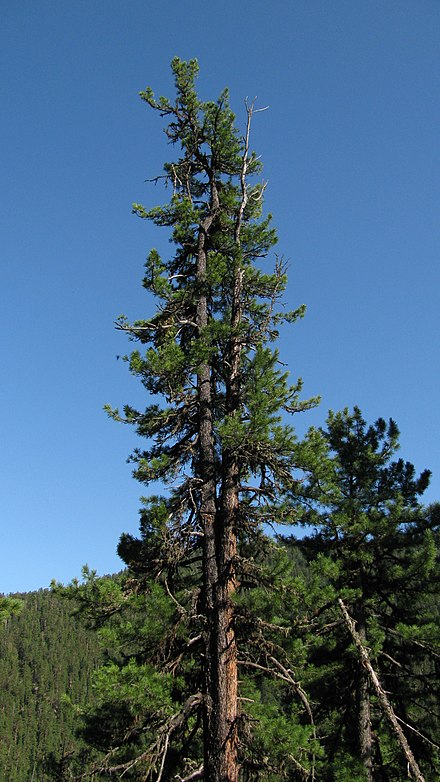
{"x": 219, "y": 548}
{"x": 220, "y": 670}
{"x": 222, "y": 743}
{"x": 226, "y": 655}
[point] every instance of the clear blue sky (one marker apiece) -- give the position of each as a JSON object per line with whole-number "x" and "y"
{"x": 351, "y": 151}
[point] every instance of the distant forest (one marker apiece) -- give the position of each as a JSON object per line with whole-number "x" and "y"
{"x": 46, "y": 660}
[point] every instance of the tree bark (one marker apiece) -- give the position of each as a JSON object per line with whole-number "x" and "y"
{"x": 219, "y": 548}
{"x": 225, "y": 695}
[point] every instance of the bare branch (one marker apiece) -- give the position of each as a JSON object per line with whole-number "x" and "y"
{"x": 164, "y": 754}
{"x": 302, "y": 770}
{"x": 381, "y": 694}
{"x": 182, "y": 611}
{"x": 422, "y": 736}
{"x": 197, "y": 774}
{"x": 243, "y": 173}
{"x": 289, "y": 677}
{"x": 158, "y": 750}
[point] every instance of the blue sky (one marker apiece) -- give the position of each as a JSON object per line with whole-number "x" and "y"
{"x": 350, "y": 146}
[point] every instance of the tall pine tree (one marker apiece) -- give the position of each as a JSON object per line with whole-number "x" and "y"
{"x": 215, "y": 435}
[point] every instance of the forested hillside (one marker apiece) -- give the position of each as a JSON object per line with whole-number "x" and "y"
{"x": 46, "y": 657}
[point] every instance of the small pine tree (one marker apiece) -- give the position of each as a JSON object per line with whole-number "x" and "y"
{"x": 374, "y": 547}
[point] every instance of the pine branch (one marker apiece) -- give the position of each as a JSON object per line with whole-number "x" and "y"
{"x": 279, "y": 671}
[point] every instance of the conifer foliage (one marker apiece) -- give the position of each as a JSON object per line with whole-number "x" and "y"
{"x": 374, "y": 546}
{"x": 46, "y": 661}
{"x": 214, "y": 436}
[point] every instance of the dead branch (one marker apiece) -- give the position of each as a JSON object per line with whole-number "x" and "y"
{"x": 164, "y": 754}
{"x": 422, "y": 736}
{"x": 417, "y": 643}
{"x": 391, "y": 659}
{"x": 182, "y": 611}
{"x": 243, "y": 173}
{"x": 197, "y": 774}
{"x": 305, "y": 773}
{"x": 156, "y": 752}
{"x": 288, "y": 677}
{"x": 381, "y": 694}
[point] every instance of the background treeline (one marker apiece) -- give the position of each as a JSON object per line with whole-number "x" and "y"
{"x": 46, "y": 658}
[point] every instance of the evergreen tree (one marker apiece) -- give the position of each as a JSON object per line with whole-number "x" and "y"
{"x": 374, "y": 546}
{"x": 216, "y": 439}
{"x": 9, "y": 606}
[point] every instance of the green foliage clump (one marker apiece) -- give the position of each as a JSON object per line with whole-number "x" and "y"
{"x": 46, "y": 663}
